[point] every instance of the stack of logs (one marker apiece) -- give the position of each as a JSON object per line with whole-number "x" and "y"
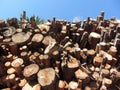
{"x": 60, "y": 55}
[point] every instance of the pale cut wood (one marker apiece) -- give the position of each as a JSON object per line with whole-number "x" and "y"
{"x": 46, "y": 76}
{"x": 30, "y": 70}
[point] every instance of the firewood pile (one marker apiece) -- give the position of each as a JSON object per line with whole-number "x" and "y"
{"x": 60, "y": 55}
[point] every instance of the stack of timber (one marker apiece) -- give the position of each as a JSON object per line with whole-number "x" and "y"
{"x": 60, "y": 55}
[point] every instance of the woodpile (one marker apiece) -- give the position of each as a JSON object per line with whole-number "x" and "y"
{"x": 60, "y": 55}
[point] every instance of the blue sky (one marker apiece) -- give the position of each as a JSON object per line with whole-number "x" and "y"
{"x": 61, "y": 9}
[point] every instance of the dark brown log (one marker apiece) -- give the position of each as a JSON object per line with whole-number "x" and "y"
{"x": 97, "y": 61}
{"x": 69, "y": 67}
{"x": 46, "y": 61}
{"x": 25, "y": 57}
{"x": 90, "y": 56}
{"x": 36, "y": 41}
{"x": 32, "y": 22}
{"x": 13, "y": 48}
{"x": 94, "y": 38}
{"x": 13, "y": 22}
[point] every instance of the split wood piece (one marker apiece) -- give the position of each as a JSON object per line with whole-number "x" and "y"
{"x": 79, "y": 74}
{"x": 21, "y": 37}
{"x": 47, "y": 79}
{"x": 29, "y": 87}
{"x": 17, "y": 65}
{"x": 84, "y": 40}
{"x": 94, "y": 38}
{"x": 97, "y": 61}
{"x": 2, "y": 24}
{"x": 64, "y": 41}
{"x": 13, "y": 48}
{"x": 30, "y": 73}
{"x": 49, "y": 43}
{"x": 73, "y": 85}
{"x": 107, "y": 82}
{"x": 90, "y": 55}
{"x": 69, "y": 67}
{"x": 61, "y": 85}
{"x": 113, "y": 51}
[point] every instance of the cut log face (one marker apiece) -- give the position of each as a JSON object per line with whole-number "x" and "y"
{"x": 9, "y": 32}
{"x": 17, "y": 62}
{"x": 80, "y": 74}
{"x": 46, "y": 76}
{"x": 20, "y": 37}
{"x": 73, "y": 85}
{"x": 30, "y": 70}
{"x": 37, "y": 38}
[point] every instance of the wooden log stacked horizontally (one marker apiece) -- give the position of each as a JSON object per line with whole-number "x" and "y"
{"x": 60, "y": 55}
